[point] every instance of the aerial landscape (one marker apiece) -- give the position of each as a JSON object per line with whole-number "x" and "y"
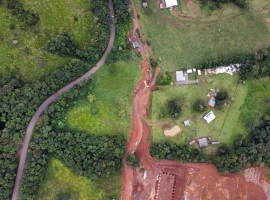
{"x": 135, "y": 100}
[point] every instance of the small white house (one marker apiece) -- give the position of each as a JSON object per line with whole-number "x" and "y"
{"x": 171, "y": 3}
{"x": 199, "y": 72}
{"x": 180, "y": 76}
{"x": 189, "y": 71}
{"x": 209, "y": 117}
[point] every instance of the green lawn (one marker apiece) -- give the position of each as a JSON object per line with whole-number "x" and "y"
{"x": 113, "y": 93}
{"x": 184, "y": 42}
{"x": 55, "y": 17}
{"x": 249, "y": 105}
{"x": 188, "y": 94}
{"x": 59, "y": 180}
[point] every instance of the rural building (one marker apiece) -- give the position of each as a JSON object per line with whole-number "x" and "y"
{"x": 212, "y": 102}
{"x": 203, "y": 142}
{"x": 215, "y": 142}
{"x": 209, "y": 117}
{"x": 186, "y": 123}
{"x": 180, "y": 76}
{"x": 194, "y": 69}
{"x": 189, "y": 71}
{"x": 168, "y": 4}
{"x": 134, "y": 40}
{"x": 199, "y": 72}
{"x": 192, "y": 142}
{"x": 144, "y": 4}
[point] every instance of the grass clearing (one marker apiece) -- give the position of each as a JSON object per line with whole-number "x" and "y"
{"x": 249, "y": 105}
{"x": 113, "y": 97}
{"x": 183, "y": 43}
{"x": 55, "y": 17}
{"x": 188, "y": 94}
{"x": 59, "y": 179}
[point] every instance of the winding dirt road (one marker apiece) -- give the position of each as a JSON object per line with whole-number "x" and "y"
{"x": 28, "y": 134}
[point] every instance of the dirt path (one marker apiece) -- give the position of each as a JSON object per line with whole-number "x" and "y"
{"x": 28, "y": 134}
{"x": 145, "y": 46}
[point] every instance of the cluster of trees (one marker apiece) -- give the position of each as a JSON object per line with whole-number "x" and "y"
{"x": 251, "y": 151}
{"x": 164, "y": 79}
{"x": 174, "y": 109}
{"x": 122, "y": 48}
{"x": 220, "y": 99}
{"x": 16, "y": 8}
{"x": 132, "y": 160}
{"x": 153, "y": 63}
{"x": 255, "y": 65}
{"x": 218, "y": 3}
{"x": 199, "y": 106}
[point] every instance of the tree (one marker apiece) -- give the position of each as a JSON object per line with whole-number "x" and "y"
{"x": 199, "y": 106}
{"x": 132, "y": 160}
{"x": 174, "y": 109}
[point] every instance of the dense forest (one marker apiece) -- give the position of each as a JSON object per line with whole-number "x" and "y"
{"x": 218, "y": 3}
{"x": 250, "y": 151}
{"x": 85, "y": 154}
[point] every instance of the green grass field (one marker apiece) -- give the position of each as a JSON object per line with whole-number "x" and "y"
{"x": 55, "y": 17}
{"x": 59, "y": 179}
{"x": 249, "y": 104}
{"x": 184, "y": 42}
{"x": 188, "y": 94}
{"x": 113, "y": 93}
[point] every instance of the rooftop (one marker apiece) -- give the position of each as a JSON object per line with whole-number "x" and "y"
{"x": 180, "y": 76}
{"x": 171, "y": 3}
{"x": 203, "y": 142}
{"x": 209, "y": 117}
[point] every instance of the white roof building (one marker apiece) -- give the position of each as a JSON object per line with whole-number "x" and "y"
{"x": 180, "y": 76}
{"x": 171, "y": 3}
{"x": 189, "y": 71}
{"x": 203, "y": 142}
{"x": 186, "y": 123}
{"x": 199, "y": 72}
{"x": 209, "y": 117}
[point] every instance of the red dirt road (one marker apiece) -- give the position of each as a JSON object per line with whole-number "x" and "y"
{"x": 28, "y": 134}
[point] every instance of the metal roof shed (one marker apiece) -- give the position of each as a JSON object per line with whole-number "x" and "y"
{"x": 171, "y": 3}
{"x": 203, "y": 142}
{"x": 180, "y": 76}
{"x": 209, "y": 117}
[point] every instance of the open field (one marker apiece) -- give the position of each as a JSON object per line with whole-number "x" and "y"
{"x": 60, "y": 180}
{"x": 184, "y": 42}
{"x": 249, "y": 105}
{"x": 55, "y": 17}
{"x": 113, "y": 98}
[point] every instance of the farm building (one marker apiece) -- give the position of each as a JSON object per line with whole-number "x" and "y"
{"x": 189, "y": 71}
{"x": 180, "y": 76}
{"x": 209, "y": 117}
{"x": 203, "y": 142}
{"x": 215, "y": 142}
{"x": 144, "y": 4}
{"x": 186, "y": 123}
{"x": 168, "y": 4}
{"x": 192, "y": 142}
{"x": 134, "y": 40}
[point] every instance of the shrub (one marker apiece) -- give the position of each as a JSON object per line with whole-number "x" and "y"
{"x": 174, "y": 109}
{"x": 199, "y": 106}
{"x": 132, "y": 160}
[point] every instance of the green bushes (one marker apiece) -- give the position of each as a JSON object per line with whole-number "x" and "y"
{"x": 164, "y": 79}
{"x": 199, "y": 106}
{"x": 153, "y": 63}
{"x": 132, "y": 160}
{"x": 220, "y": 99}
{"x": 239, "y": 3}
{"x": 174, "y": 109}
{"x": 27, "y": 17}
